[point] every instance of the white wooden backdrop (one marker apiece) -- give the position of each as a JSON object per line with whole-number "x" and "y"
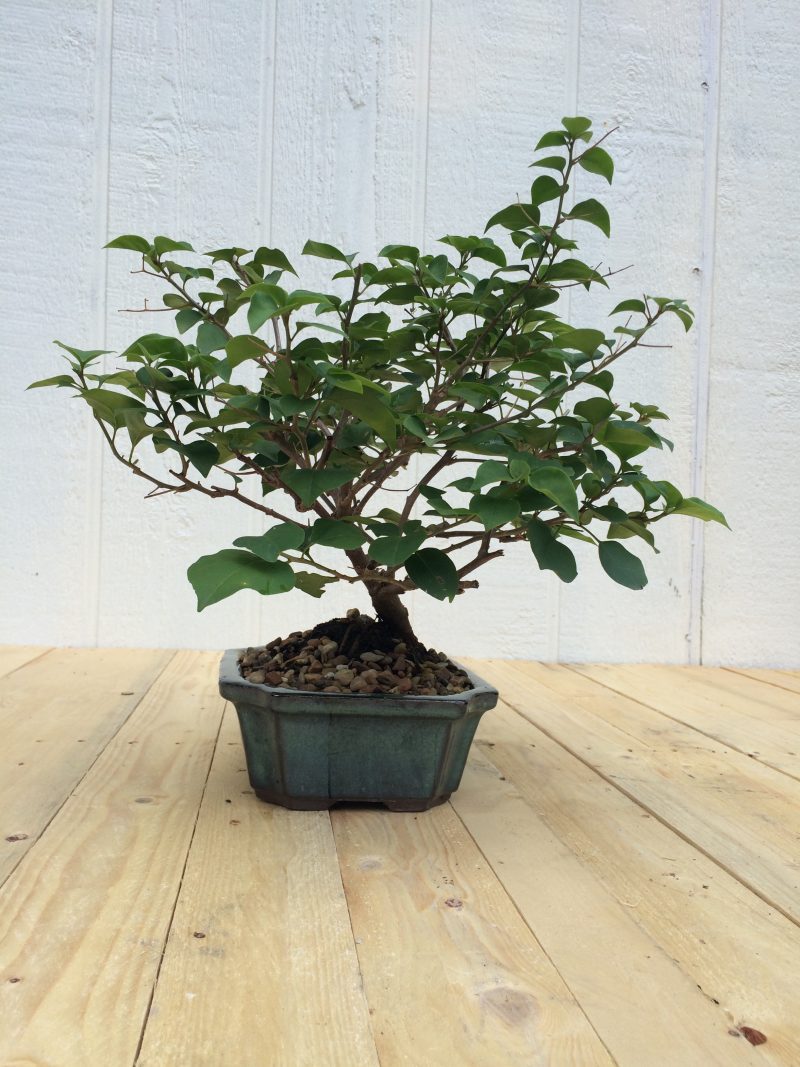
{"x": 367, "y": 121}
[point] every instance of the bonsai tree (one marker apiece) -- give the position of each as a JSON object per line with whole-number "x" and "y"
{"x": 273, "y": 394}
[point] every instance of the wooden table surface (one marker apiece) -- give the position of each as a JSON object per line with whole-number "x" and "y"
{"x": 616, "y": 881}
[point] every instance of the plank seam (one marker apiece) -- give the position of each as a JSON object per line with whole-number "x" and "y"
{"x": 713, "y": 55}
{"x": 174, "y": 908}
{"x": 573, "y": 80}
{"x": 528, "y": 926}
{"x": 421, "y": 157}
{"x": 266, "y": 195}
{"x": 744, "y": 673}
{"x": 353, "y": 935}
{"x": 71, "y": 789}
{"x": 687, "y": 725}
{"x": 27, "y": 663}
{"x": 664, "y": 822}
{"x": 93, "y": 548}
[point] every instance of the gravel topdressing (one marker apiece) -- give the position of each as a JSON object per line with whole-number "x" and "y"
{"x": 311, "y": 661}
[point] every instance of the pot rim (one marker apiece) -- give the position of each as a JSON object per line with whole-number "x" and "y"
{"x": 233, "y": 686}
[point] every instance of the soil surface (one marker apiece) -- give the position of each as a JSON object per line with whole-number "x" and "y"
{"x": 355, "y": 654}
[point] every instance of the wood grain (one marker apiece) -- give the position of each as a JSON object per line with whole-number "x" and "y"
{"x": 57, "y": 714}
{"x": 654, "y": 93}
{"x": 750, "y": 597}
{"x": 53, "y": 64}
{"x": 186, "y": 162}
{"x": 84, "y": 917}
{"x": 435, "y": 930}
{"x": 609, "y": 885}
{"x": 621, "y": 887}
{"x": 13, "y": 657}
{"x": 740, "y": 812}
{"x": 761, "y": 721}
{"x": 260, "y": 957}
{"x": 783, "y": 679}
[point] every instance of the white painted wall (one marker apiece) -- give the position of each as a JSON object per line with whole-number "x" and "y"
{"x": 368, "y": 121}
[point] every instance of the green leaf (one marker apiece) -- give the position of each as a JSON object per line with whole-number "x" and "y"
{"x": 621, "y": 565}
{"x": 556, "y": 484}
{"x": 59, "y": 380}
{"x": 323, "y": 251}
{"x": 109, "y": 405}
{"x": 551, "y": 140}
{"x": 175, "y": 301}
{"x": 553, "y": 162}
{"x": 573, "y": 270}
{"x": 336, "y": 534}
{"x": 202, "y": 455}
{"x": 415, "y": 425}
{"x": 434, "y": 573}
{"x": 131, "y": 242}
{"x": 394, "y": 549}
{"x": 544, "y": 189}
{"x": 244, "y": 347}
{"x": 210, "y": 338}
{"x": 672, "y": 496}
{"x": 166, "y": 244}
{"x": 370, "y": 410}
{"x": 596, "y": 409}
{"x": 515, "y": 217}
{"x": 626, "y": 439}
{"x": 310, "y": 484}
{"x": 312, "y": 583}
{"x": 578, "y": 126}
{"x": 435, "y": 498}
{"x": 268, "y": 546}
{"x": 586, "y": 341}
{"x": 224, "y": 573}
{"x": 699, "y": 509}
{"x": 629, "y": 305}
{"x": 550, "y": 553}
{"x": 273, "y": 257}
{"x": 263, "y": 306}
{"x": 592, "y": 211}
{"x": 494, "y": 511}
{"x": 598, "y": 161}
{"x": 186, "y": 318}
{"x": 83, "y": 357}
{"x": 408, "y": 253}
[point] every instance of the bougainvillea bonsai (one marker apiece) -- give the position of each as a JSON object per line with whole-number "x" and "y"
{"x": 303, "y": 405}
{"x": 424, "y": 355}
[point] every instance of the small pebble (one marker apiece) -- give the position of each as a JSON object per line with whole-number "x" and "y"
{"x": 316, "y": 664}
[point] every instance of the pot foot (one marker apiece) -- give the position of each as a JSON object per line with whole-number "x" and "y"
{"x": 325, "y": 803}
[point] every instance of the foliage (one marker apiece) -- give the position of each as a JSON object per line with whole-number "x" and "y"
{"x": 461, "y": 356}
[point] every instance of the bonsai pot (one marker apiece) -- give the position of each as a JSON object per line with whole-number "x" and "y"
{"x": 309, "y": 751}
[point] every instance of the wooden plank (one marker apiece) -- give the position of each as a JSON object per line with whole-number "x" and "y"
{"x": 53, "y": 70}
{"x": 784, "y": 679}
{"x": 659, "y": 152}
{"x": 741, "y": 813}
{"x": 481, "y": 129}
{"x": 274, "y": 980}
{"x": 674, "y": 940}
{"x": 179, "y": 130}
{"x": 12, "y": 657}
{"x": 451, "y": 972}
{"x": 750, "y": 576}
{"x": 57, "y": 714}
{"x": 761, "y": 721}
{"x": 84, "y": 918}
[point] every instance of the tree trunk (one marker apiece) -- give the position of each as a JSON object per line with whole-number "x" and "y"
{"x": 386, "y": 601}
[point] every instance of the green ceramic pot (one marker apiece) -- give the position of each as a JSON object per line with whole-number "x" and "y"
{"x": 313, "y": 750}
